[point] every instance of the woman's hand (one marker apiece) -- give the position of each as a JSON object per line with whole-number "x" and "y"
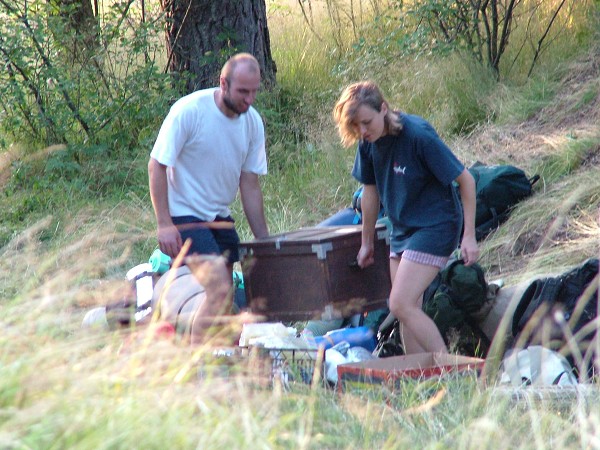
{"x": 366, "y": 256}
{"x": 469, "y": 250}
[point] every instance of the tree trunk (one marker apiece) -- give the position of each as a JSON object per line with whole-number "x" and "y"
{"x": 202, "y": 34}
{"x": 81, "y": 27}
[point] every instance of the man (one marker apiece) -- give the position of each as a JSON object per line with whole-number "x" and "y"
{"x": 211, "y": 143}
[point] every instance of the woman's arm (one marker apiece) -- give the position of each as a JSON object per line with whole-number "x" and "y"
{"x": 468, "y": 247}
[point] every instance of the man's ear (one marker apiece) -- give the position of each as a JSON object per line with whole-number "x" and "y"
{"x": 223, "y": 83}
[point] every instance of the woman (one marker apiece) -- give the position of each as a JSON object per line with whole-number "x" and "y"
{"x": 403, "y": 163}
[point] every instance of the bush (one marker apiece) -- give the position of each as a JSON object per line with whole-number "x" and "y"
{"x": 72, "y": 86}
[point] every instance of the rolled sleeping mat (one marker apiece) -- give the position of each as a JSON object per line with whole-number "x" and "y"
{"x": 177, "y": 295}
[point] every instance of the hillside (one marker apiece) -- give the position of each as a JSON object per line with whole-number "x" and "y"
{"x": 559, "y": 225}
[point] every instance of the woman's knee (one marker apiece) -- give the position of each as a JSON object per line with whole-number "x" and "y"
{"x": 403, "y": 310}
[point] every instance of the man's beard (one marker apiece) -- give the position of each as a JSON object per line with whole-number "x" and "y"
{"x": 232, "y": 106}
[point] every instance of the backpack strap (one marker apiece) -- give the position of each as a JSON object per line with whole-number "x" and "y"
{"x": 534, "y": 179}
{"x": 526, "y": 299}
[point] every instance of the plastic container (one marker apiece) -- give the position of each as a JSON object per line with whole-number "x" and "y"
{"x": 355, "y": 336}
{"x": 160, "y": 262}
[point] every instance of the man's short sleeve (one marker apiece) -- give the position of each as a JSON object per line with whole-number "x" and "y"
{"x": 171, "y": 138}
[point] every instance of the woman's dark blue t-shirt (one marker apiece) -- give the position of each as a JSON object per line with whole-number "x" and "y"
{"x": 413, "y": 172}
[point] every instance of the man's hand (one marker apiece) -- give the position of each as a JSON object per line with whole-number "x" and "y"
{"x": 169, "y": 240}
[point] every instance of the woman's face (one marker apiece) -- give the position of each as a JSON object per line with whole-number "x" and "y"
{"x": 369, "y": 123}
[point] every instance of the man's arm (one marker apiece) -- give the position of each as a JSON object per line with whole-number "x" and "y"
{"x": 169, "y": 238}
{"x": 252, "y": 201}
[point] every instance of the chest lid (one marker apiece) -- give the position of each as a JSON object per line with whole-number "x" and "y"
{"x": 318, "y": 240}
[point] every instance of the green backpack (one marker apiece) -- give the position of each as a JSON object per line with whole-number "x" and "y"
{"x": 456, "y": 301}
{"x": 498, "y": 189}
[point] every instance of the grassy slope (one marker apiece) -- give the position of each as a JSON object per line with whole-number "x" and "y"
{"x": 558, "y": 226}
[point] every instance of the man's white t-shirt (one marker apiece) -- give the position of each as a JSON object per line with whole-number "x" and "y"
{"x": 205, "y": 152}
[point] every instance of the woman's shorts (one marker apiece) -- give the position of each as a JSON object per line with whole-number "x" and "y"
{"x": 421, "y": 258}
{"x": 218, "y": 237}
{"x": 440, "y": 240}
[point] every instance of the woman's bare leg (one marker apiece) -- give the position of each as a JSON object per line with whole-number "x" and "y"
{"x": 407, "y": 338}
{"x": 409, "y": 282}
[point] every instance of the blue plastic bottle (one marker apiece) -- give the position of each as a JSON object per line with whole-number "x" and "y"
{"x": 355, "y": 336}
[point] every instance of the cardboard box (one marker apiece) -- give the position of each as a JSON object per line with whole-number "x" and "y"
{"x": 311, "y": 273}
{"x": 390, "y": 371}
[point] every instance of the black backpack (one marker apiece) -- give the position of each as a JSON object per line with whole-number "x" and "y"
{"x": 575, "y": 294}
{"x": 498, "y": 189}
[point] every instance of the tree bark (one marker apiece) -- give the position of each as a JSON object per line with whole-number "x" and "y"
{"x": 81, "y": 27}
{"x": 202, "y": 34}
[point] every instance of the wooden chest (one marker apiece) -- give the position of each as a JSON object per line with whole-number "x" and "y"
{"x": 311, "y": 273}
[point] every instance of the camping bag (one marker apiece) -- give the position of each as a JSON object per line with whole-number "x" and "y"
{"x": 498, "y": 189}
{"x": 453, "y": 302}
{"x": 575, "y": 293}
{"x": 176, "y": 296}
{"x": 356, "y": 206}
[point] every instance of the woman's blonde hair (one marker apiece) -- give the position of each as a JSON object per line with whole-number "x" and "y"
{"x": 354, "y": 96}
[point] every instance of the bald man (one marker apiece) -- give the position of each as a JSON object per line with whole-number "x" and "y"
{"x": 211, "y": 144}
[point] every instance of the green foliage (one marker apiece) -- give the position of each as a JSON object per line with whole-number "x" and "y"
{"x": 439, "y": 26}
{"x": 92, "y": 86}
{"x": 280, "y": 111}
{"x": 521, "y": 31}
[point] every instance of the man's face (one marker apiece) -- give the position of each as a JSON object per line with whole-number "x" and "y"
{"x": 239, "y": 92}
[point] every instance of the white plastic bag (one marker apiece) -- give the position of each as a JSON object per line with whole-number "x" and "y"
{"x": 343, "y": 353}
{"x": 253, "y": 333}
{"x": 536, "y": 365}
